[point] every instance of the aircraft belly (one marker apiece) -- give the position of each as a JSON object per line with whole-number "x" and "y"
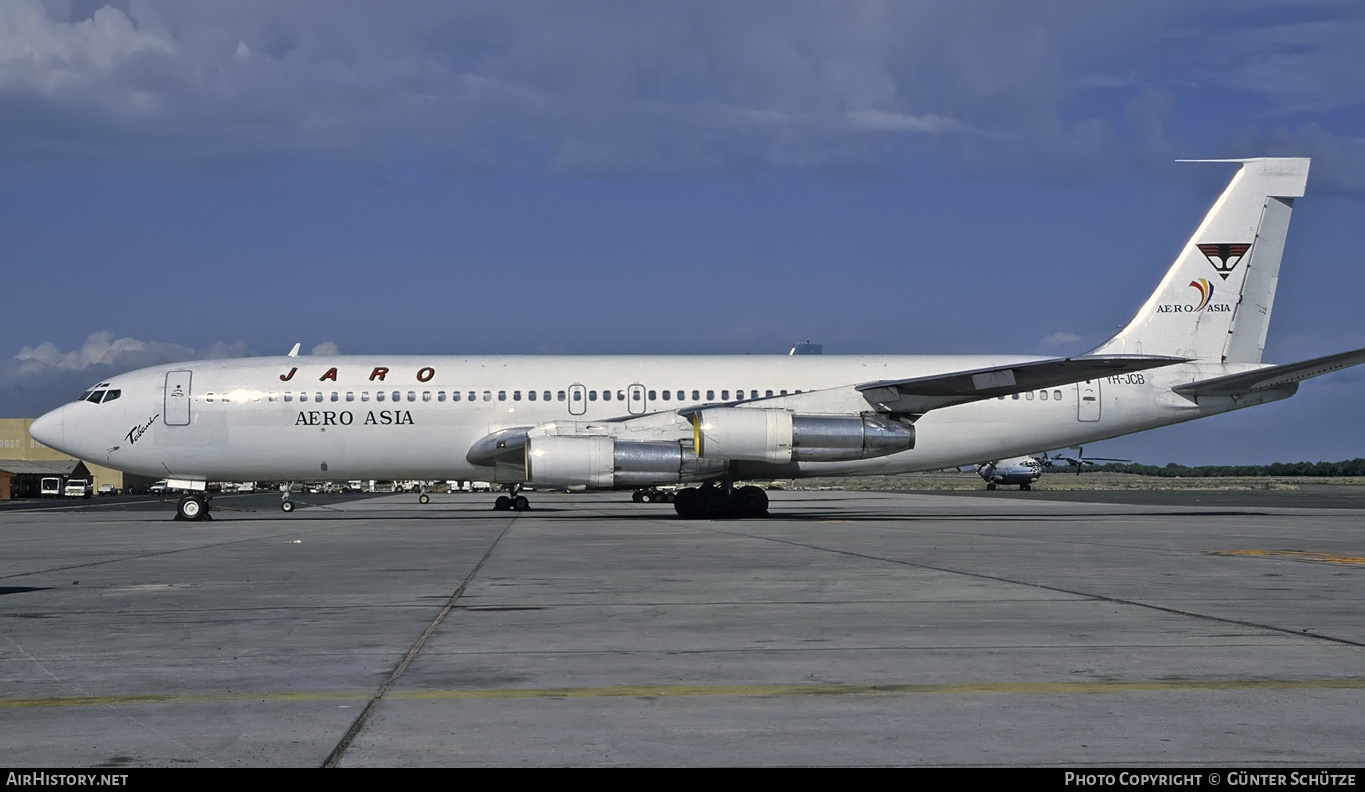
{"x": 995, "y": 429}
{"x": 205, "y": 432}
{"x": 414, "y": 445}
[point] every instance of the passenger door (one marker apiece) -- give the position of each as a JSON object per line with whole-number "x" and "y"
{"x": 1088, "y": 401}
{"x": 176, "y": 410}
{"x": 578, "y": 399}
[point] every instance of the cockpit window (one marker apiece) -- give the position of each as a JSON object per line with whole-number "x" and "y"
{"x": 100, "y": 396}
{"x": 95, "y": 393}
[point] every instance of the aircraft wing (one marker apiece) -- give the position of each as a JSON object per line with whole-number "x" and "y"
{"x": 919, "y": 395}
{"x": 1272, "y": 376}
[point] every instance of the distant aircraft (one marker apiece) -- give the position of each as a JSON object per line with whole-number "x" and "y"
{"x": 1018, "y": 470}
{"x": 1193, "y": 350}
{"x": 1025, "y": 470}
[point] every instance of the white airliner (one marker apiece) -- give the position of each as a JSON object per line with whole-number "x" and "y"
{"x": 1194, "y": 349}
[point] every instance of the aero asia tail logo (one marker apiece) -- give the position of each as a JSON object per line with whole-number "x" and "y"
{"x": 1205, "y": 290}
{"x": 1225, "y": 255}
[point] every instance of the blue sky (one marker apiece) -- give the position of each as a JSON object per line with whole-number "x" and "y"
{"x": 183, "y": 180}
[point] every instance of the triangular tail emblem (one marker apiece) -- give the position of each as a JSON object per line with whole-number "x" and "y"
{"x": 1224, "y": 255}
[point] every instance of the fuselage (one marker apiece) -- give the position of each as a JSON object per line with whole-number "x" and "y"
{"x": 416, "y": 417}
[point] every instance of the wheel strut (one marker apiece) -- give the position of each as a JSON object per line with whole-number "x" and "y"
{"x": 513, "y": 500}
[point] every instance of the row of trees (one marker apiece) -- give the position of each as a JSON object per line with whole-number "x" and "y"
{"x": 1350, "y": 467}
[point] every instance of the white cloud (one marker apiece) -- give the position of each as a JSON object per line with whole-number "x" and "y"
{"x": 605, "y": 87}
{"x": 886, "y": 121}
{"x": 326, "y": 348}
{"x": 626, "y": 88}
{"x": 219, "y": 350}
{"x": 1061, "y": 338}
{"x": 41, "y": 377}
{"x": 101, "y": 349}
{"x": 46, "y": 56}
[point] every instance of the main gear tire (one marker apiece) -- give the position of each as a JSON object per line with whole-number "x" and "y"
{"x": 192, "y": 508}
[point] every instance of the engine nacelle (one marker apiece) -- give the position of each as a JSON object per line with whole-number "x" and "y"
{"x": 604, "y": 463}
{"x": 831, "y": 438}
{"x": 777, "y": 436}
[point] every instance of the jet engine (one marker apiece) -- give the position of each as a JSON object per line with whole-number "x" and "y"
{"x": 603, "y": 462}
{"x": 765, "y": 435}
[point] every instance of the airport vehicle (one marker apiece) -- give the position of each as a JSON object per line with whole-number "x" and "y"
{"x": 77, "y": 488}
{"x": 634, "y": 422}
{"x": 50, "y": 487}
{"x": 107, "y": 490}
{"x": 159, "y": 487}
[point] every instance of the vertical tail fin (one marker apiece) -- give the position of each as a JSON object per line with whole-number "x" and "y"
{"x": 1214, "y": 303}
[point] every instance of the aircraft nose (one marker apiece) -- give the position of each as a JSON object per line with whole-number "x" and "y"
{"x": 50, "y": 429}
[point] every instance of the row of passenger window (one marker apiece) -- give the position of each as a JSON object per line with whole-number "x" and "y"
{"x": 1056, "y": 396}
{"x": 576, "y": 394}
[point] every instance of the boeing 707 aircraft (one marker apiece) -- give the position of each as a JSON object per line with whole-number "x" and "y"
{"x": 631, "y": 422}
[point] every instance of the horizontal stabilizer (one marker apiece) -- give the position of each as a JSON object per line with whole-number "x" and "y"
{"x": 921, "y": 394}
{"x": 1272, "y": 376}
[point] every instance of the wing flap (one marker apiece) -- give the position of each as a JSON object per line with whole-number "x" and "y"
{"x": 919, "y": 395}
{"x": 1272, "y": 376}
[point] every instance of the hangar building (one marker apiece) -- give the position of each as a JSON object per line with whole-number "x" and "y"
{"x": 23, "y": 459}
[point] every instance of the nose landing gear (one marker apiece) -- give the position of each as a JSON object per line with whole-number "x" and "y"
{"x": 192, "y": 508}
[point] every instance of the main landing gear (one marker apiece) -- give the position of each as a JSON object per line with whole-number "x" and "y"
{"x": 709, "y": 502}
{"x": 512, "y": 501}
{"x": 192, "y": 508}
{"x": 653, "y": 495}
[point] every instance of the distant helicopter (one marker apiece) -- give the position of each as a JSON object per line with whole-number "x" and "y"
{"x": 1025, "y": 470}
